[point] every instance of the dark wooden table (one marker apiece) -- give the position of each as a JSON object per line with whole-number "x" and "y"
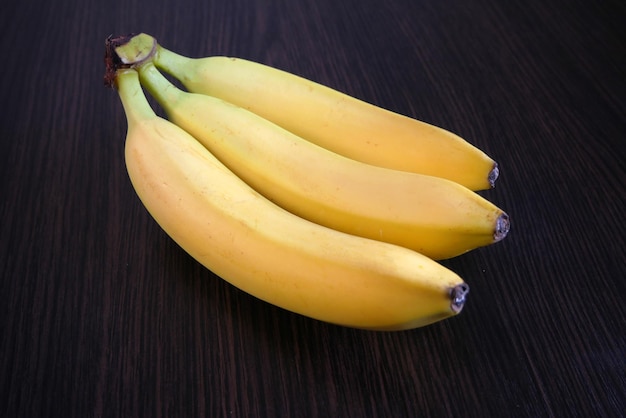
{"x": 102, "y": 315}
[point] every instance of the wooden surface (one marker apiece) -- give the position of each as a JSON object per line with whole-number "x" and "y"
{"x": 102, "y": 315}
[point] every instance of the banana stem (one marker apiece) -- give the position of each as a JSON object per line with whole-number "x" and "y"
{"x": 136, "y": 105}
{"x": 127, "y": 51}
{"x": 171, "y": 62}
{"x": 134, "y": 50}
{"x": 159, "y": 87}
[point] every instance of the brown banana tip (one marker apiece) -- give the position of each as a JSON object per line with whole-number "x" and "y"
{"x": 458, "y": 295}
{"x": 493, "y": 175}
{"x": 503, "y": 224}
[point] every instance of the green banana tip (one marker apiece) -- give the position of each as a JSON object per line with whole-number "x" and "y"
{"x": 126, "y": 51}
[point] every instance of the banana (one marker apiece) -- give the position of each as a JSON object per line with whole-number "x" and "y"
{"x": 331, "y": 119}
{"x": 267, "y": 251}
{"x": 434, "y": 216}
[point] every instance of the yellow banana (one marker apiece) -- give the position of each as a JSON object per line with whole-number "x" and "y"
{"x": 331, "y": 119}
{"x": 431, "y": 215}
{"x": 267, "y": 251}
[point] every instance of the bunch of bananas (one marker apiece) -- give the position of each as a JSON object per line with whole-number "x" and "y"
{"x": 300, "y": 195}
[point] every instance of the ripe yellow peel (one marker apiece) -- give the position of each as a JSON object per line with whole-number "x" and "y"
{"x": 334, "y": 120}
{"x": 268, "y": 252}
{"x": 431, "y": 215}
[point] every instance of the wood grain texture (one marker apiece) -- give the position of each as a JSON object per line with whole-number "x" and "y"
{"x": 102, "y": 315}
